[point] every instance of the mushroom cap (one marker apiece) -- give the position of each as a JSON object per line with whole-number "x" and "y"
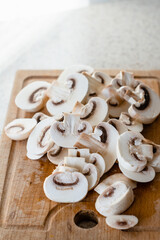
{"x": 112, "y": 179}
{"x": 95, "y": 111}
{"x": 20, "y": 129}
{"x": 34, "y": 156}
{"x": 146, "y": 175}
{"x": 39, "y": 116}
{"x": 148, "y": 107}
{"x": 115, "y": 199}
{"x": 32, "y": 97}
{"x": 131, "y": 123}
{"x": 122, "y": 222}
{"x": 118, "y": 125}
{"x": 64, "y": 96}
{"x": 56, "y": 154}
{"x": 108, "y": 135}
{"x": 155, "y": 162}
{"x": 66, "y": 187}
{"x": 131, "y": 152}
{"x": 65, "y": 133}
{"x": 74, "y": 69}
{"x": 39, "y": 141}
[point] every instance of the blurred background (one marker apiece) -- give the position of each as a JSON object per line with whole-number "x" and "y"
{"x": 53, "y": 34}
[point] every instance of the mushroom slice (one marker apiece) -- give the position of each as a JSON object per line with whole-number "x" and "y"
{"x": 39, "y": 141}
{"x": 131, "y": 123}
{"x": 102, "y": 77}
{"x": 95, "y": 87}
{"x": 146, "y": 104}
{"x": 98, "y": 161}
{"x": 32, "y": 97}
{"x": 146, "y": 175}
{"x": 95, "y": 111}
{"x": 118, "y": 125}
{"x": 65, "y": 133}
{"x": 39, "y": 116}
{"x": 116, "y": 103}
{"x": 56, "y": 154}
{"x": 84, "y": 153}
{"x": 65, "y": 95}
{"x": 74, "y": 69}
{"x": 66, "y": 187}
{"x": 121, "y": 222}
{"x": 124, "y": 78}
{"x": 108, "y": 135}
{"x": 132, "y": 152}
{"x": 88, "y": 169}
{"x": 20, "y": 129}
{"x": 115, "y": 199}
{"x": 34, "y": 156}
{"x": 112, "y": 179}
{"x": 64, "y": 169}
{"x": 155, "y": 162}
{"x": 103, "y": 141}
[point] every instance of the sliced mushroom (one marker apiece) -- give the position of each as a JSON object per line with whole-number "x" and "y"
{"x": 95, "y": 87}
{"x": 112, "y": 179}
{"x": 103, "y": 141}
{"x": 74, "y": 69}
{"x": 132, "y": 152}
{"x": 155, "y": 162}
{"x": 84, "y": 153}
{"x": 122, "y": 222}
{"x": 66, "y": 187}
{"x": 131, "y": 123}
{"x": 20, "y": 129}
{"x": 39, "y": 141}
{"x": 115, "y": 199}
{"x": 65, "y": 133}
{"x": 116, "y": 103}
{"x": 118, "y": 125}
{"x": 34, "y": 156}
{"x": 56, "y": 154}
{"x": 124, "y": 78}
{"x": 64, "y": 169}
{"x": 146, "y": 175}
{"x": 95, "y": 111}
{"x": 102, "y": 77}
{"x": 88, "y": 169}
{"x": 39, "y": 116}
{"x": 145, "y": 103}
{"x": 32, "y": 97}
{"x": 65, "y": 95}
{"x": 98, "y": 161}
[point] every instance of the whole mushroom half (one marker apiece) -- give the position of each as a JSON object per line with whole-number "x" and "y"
{"x": 121, "y": 222}
{"x": 66, "y": 187}
{"x": 63, "y": 96}
{"x": 112, "y": 179}
{"x": 32, "y": 97}
{"x": 39, "y": 141}
{"x": 115, "y": 199}
{"x": 20, "y": 129}
{"x": 131, "y": 123}
{"x": 95, "y": 111}
{"x": 65, "y": 133}
{"x": 132, "y": 152}
{"x": 145, "y": 103}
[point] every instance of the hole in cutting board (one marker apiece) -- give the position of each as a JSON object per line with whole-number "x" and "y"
{"x": 86, "y": 219}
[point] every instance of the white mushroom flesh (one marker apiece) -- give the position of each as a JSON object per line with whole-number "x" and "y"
{"x": 20, "y": 129}
{"x": 130, "y": 123}
{"x": 121, "y": 222}
{"x": 56, "y": 154}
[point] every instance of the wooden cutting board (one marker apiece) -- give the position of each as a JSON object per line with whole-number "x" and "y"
{"x": 25, "y": 212}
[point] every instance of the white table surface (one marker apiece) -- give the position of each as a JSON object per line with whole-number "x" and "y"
{"x": 117, "y": 34}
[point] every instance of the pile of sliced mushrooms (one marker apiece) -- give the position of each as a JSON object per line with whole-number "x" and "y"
{"x": 94, "y": 121}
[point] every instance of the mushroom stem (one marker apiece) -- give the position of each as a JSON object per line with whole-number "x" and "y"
{"x": 87, "y": 141}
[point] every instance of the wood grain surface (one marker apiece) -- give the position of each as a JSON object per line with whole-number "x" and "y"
{"x": 25, "y": 212}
